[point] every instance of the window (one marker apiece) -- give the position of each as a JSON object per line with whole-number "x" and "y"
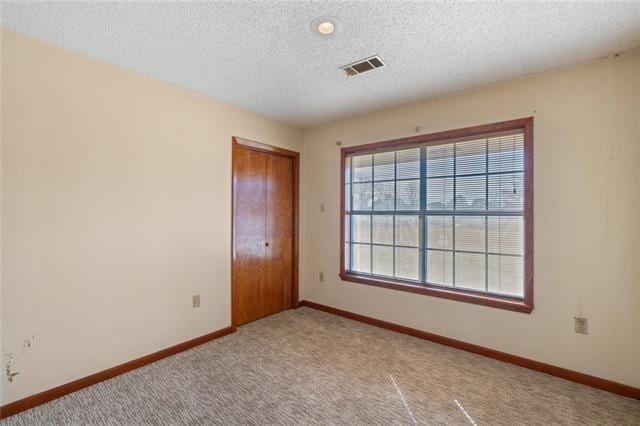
{"x": 447, "y": 214}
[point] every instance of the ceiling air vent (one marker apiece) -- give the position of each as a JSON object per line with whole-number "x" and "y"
{"x": 363, "y": 66}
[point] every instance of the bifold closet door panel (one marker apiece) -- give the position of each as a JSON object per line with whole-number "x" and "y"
{"x": 279, "y": 219}
{"x": 250, "y": 206}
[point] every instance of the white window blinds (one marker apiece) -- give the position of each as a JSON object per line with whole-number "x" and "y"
{"x": 447, "y": 214}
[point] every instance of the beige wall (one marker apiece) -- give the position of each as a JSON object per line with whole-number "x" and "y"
{"x": 117, "y": 209}
{"x": 587, "y": 205}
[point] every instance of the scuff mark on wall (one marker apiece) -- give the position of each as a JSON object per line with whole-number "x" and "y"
{"x": 11, "y": 374}
{"x": 11, "y": 358}
{"x": 10, "y": 362}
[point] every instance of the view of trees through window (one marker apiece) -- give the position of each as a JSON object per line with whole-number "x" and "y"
{"x": 447, "y": 214}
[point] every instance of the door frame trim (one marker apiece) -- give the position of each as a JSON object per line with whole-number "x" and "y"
{"x": 237, "y": 143}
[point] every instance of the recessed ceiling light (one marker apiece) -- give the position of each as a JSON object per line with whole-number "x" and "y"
{"x": 326, "y": 28}
{"x": 326, "y": 25}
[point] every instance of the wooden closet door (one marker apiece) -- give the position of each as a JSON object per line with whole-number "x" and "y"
{"x": 279, "y": 219}
{"x": 250, "y": 205}
{"x": 263, "y": 234}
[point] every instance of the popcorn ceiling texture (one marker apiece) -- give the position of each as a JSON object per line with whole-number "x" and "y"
{"x": 263, "y": 56}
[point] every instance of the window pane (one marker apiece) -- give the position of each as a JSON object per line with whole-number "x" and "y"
{"x": 471, "y": 192}
{"x": 362, "y": 170}
{"x": 408, "y": 164}
{"x": 440, "y": 194}
{"x": 506, "y": 275}
{"x": 347, "y": 197}
{"x": 439, "y": 267}
{"x": 506, "y": 192}
{"x": 506, "y": 153}
{"x": 361, "y": 231}
{"x": 407, "y": 263}
{"x": 407, "y": 231}
{"x": 347, "y": 256}
{"x": 383, "y": 195}
{"x": 362, "y": 196}
{"x": 362, "y": 258}
{"x": 470, "y": 233}
{"x": 383, "y": 260}
{"x": 440, "y": 160}
{"x": 384, "y": 166}
{"x": 471, "y": 157}
{"x": 470, "y": 271}
{"x": 347, "y": 228}
{"x": 506, "y": 234}
{"x": 382, "y": 229}
{"x": 408, "y": 196}
{"x": 440, "y": 232}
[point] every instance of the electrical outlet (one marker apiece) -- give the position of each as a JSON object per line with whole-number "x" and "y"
{"x": 196, "y": 301}
{"x": 321, "y": 276}
{"x": 581, "y": 325}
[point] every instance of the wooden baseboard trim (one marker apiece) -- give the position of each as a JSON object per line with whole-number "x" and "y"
{"x": 57, "y": 392}
{"x": 574, "y": 376}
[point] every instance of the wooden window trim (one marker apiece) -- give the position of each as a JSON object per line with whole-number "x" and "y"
{"x": 524, "y": 305}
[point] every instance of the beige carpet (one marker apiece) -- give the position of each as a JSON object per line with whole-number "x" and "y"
{"x": 306, "y": 366}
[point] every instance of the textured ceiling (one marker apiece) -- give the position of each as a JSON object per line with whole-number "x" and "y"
{"x": 264, "y": 57}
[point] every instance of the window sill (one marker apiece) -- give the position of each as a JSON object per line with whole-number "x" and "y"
{"x": 445, "y": 293}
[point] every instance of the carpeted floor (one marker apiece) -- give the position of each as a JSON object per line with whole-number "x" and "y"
{"x": 306, "y": 366}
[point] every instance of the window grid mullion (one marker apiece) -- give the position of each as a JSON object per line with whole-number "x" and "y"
{"x": 486, "y": 217}
{"x": 373, "y": 207}
{"x": 453, "y": 220}
{"x": 440, "y": 212}
{"x": 351, "y": 213}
